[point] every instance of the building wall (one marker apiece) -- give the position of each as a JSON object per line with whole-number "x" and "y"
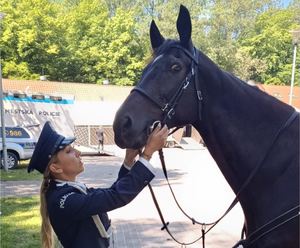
{"x": 283, "y": 93}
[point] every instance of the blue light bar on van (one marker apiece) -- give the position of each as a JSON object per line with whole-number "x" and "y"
{"x": 52, "y": 99}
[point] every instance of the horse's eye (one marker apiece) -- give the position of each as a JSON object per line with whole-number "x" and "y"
{"x": 176, "y": 67}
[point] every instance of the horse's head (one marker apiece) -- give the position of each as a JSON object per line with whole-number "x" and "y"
{"x": 165, "y": 91}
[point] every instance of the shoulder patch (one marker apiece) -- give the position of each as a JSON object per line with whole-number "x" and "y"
{"x": 64, "y": 198}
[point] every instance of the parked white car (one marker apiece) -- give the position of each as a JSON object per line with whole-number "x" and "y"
{"x": 19, "y": 144}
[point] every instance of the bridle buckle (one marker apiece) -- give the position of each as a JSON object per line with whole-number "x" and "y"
{"x": 187, "y": 82}
{"x": 171, "y": 113}
{"x": 165, "y": 107}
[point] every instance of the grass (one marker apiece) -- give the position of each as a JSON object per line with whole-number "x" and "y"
{"x": 20, "y": 173}
{"x": 20, "y": 222}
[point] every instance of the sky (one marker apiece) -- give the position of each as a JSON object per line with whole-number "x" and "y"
{"x": 285, "y": 2}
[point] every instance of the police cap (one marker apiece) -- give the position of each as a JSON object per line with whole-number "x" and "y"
{"x": 48, "y": 144}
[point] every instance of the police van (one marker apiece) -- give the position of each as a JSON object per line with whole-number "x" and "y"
{"x": 25, "y": 114}
{"x": 20, "y": 144}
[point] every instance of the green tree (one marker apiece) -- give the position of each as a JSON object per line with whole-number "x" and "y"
{"x": 122, "y": 57}
{"x": 31, "y": 41}
{"x": 94, "y": 40}
{"x": 227, "y": 22}
{"x": 83, "y": 22}
{"x": 248, "y": 68}
{"x": 102, "y": 46}
{"x": 271, "y": 42}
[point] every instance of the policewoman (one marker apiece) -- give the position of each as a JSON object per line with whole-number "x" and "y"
{"x": 77, "y": 214}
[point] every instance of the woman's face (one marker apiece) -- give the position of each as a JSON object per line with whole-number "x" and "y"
{"x": 69, "y": 160}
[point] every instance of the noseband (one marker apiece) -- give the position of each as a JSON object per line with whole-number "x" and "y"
{"x": 168, "y": 109}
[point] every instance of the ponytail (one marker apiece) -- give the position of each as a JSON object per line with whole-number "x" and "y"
{"x": 46, "y": 228}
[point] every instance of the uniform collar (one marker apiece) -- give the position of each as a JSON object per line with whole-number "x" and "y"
{"x": 77, "y": 185}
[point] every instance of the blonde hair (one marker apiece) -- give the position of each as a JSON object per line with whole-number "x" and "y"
{"x": 46, "y": 228}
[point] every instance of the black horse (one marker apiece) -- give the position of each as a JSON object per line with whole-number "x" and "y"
{"x": 253, "y": 137}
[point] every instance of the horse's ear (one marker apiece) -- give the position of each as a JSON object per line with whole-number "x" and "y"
{"x": 184, "y": 26}
{"x": 156, "y": 38}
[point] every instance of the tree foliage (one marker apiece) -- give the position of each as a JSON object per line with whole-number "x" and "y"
{"x": 271, "y": 42}
{"x": 95, "y": 40}
{"x": 31, "y": 37}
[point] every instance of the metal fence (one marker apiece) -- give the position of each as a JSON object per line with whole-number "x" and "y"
{"x": 86, "y": 135}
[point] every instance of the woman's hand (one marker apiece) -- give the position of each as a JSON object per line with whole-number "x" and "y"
{"x": 156, "y": 141}
{"x": 130, "y": 157}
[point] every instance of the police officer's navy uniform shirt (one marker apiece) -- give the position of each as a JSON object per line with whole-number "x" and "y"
{"x": 71, "y": 211}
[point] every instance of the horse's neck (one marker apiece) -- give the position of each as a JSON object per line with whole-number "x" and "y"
{"x": 236, "y": 126}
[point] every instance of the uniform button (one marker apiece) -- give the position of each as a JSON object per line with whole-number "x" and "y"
{"x": 146, "y": 182}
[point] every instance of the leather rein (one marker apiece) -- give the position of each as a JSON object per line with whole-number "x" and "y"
{"x": 168, "y": 110}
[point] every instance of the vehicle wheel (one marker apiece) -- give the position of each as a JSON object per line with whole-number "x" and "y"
{"x": 170, "y": 144}
{"x": 12, "y": 161}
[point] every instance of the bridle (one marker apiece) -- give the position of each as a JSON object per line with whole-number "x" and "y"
{"x": 168, "y": 111}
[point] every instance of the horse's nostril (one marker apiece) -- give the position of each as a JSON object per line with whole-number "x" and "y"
{"x": 127, "y": 123}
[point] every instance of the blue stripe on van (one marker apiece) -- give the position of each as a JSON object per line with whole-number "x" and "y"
{"x": 46, "y": 100}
